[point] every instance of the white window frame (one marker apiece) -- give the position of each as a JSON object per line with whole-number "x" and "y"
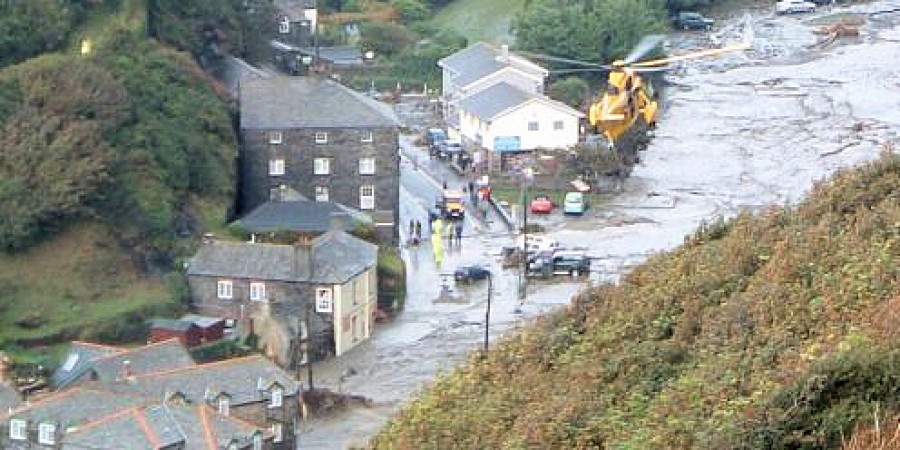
{"x": 367, "y": 166}
{"x": 558, "y": 125}
{"x": 47, "y": 434}
{"x": 284, "y": 27}
{"x": 276, "y": 137}
{"x": 276, "y": 166}
{"x": 324, "y": 302}
{"x": 367, "y": 201}
{"x": 322, "y": 166}
{"x": 18, "y": 429}
{"x": 277, "y": 398}
{"x": 367, "y": 136}
{"x": 225, "y": 289}
{"x": 257, "y": 441}
{"x": 224, "y": 406}
{"x": 277, "y": 432}
{"x": 534, "y": 126}
{"x": 321, "y": 193}
{"x": 321, "y": 137}
{"x": 258, "y": 292}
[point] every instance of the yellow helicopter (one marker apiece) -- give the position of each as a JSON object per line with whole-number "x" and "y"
{"x": 628, "y": 97}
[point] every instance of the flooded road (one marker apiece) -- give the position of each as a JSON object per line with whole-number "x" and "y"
{"x": 745, "y": 131}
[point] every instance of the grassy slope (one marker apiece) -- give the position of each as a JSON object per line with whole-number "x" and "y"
{"x": 81, "y": 283}
{"x": 71, "y": 284}
{"x": 480, "y": 20}
{"x": 777, "y": 330}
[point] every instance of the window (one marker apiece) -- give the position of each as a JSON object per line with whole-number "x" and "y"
{"x": 257, "y": 291}
{"x": 277, "y": 397}
{"x": 321, "y": 166}
{"x": 321, "y": 194}
{"x": 18, "y": 429}
{"x": 224, "y": 288}
{"x": 276, "y": 167}
{"x": 532, "y": 126}
{"x": 321, "y": 137}
{"x": 367, "y": 166}
{"x": 284, "y": 27}
{"x": 323, "y": 300}
{"x": 275, "y": 137}
{"x": 47, "y": 433}
{"x": 224, "y": 407}
{"x": 367, "y": 197}
{"x": 278, "y": 432}
{"x": 558, "y": 125}
{"x": 367, "y": 136}
{"x": 257, "y": 441}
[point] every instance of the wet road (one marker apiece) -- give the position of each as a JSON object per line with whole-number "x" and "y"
{"x": 745, "y": 131}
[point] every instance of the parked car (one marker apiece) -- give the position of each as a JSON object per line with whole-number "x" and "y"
{"x": 434, "y": 137}
{"x": 574, "y": 203}
{"x": 794, "y": 6}
{"x": 560, "y": 262}
{"x": 537, "y": 243}
{"x": 468, "y": 274}
{"x": 448, "y": 148}
{"x": 687, "y": 20}
{"x": 541, "y": 205}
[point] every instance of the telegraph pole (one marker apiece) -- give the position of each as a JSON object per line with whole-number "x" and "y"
{"x": 309, "y": 371}
{"x": 487, "y": 312}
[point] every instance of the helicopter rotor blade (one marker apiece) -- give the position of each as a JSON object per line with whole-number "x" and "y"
{"x": 564, "y": 60}
{"x": 693, "y": 55}
{"x": 653, "y": 69}
{"x": 643, "y": 47}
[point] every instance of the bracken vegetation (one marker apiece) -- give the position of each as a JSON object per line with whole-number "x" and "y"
{"x": 777, "y": 330}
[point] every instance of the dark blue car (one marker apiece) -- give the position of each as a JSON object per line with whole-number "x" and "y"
{"x": 468, "y": 274}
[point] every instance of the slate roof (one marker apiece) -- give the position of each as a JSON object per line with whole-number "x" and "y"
{"x": 336, "y": 257}
{"x": 240, "y": 378}
{"x": 164, "y": 355}
{"x": 283, "y": 102}
{"x": 294, "y": 8}
{"x": 500, "y": 98}
{"x": 171, "y": 324}
{"x": 302, "y": 216}
{"x": 74, "y": 407}
{"x": 480, "y": 60}
{"x": 162, "y": 425}
{"x": 78, "y": 361}
{"x": 9, "y": 398}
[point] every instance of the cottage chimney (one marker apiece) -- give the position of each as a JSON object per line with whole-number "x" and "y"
{"x": 303, "y": 256}
{"x": 504, "y": 54}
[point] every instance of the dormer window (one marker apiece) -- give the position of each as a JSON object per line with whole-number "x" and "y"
{"x": 47, "y": 434}
{"x": 18, "y": 429}
{"x": 224, "y": 405}
{"x": 277, "y": 398}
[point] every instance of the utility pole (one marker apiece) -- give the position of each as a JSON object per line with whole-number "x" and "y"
{"x": 309, "y": 371}
{"x": 526, "y": 175}
{"x": 487, "y": 312}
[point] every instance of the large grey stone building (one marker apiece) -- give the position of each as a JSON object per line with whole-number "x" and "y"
{"x": 307, "y": 137}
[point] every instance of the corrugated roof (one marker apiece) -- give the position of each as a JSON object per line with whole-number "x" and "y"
{"x": 335, "y": 258}
{"x": 302, "y": 216}
{"x": 283, "y": 102}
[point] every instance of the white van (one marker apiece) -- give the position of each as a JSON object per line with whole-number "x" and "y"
{"x": 574, "y": 203}
{"x": 538, "y": 244}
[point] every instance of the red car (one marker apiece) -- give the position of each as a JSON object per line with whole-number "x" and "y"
{"x": 541, "y": 205}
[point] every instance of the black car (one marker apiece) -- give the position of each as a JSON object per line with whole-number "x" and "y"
{"x": 560, "y": 262}
{"x": 468, "y": 274}
{"x": 691, "y": 21}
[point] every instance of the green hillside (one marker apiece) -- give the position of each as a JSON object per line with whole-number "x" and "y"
{"x": 112, "y": 163}
{"x": 777, "y": 330}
